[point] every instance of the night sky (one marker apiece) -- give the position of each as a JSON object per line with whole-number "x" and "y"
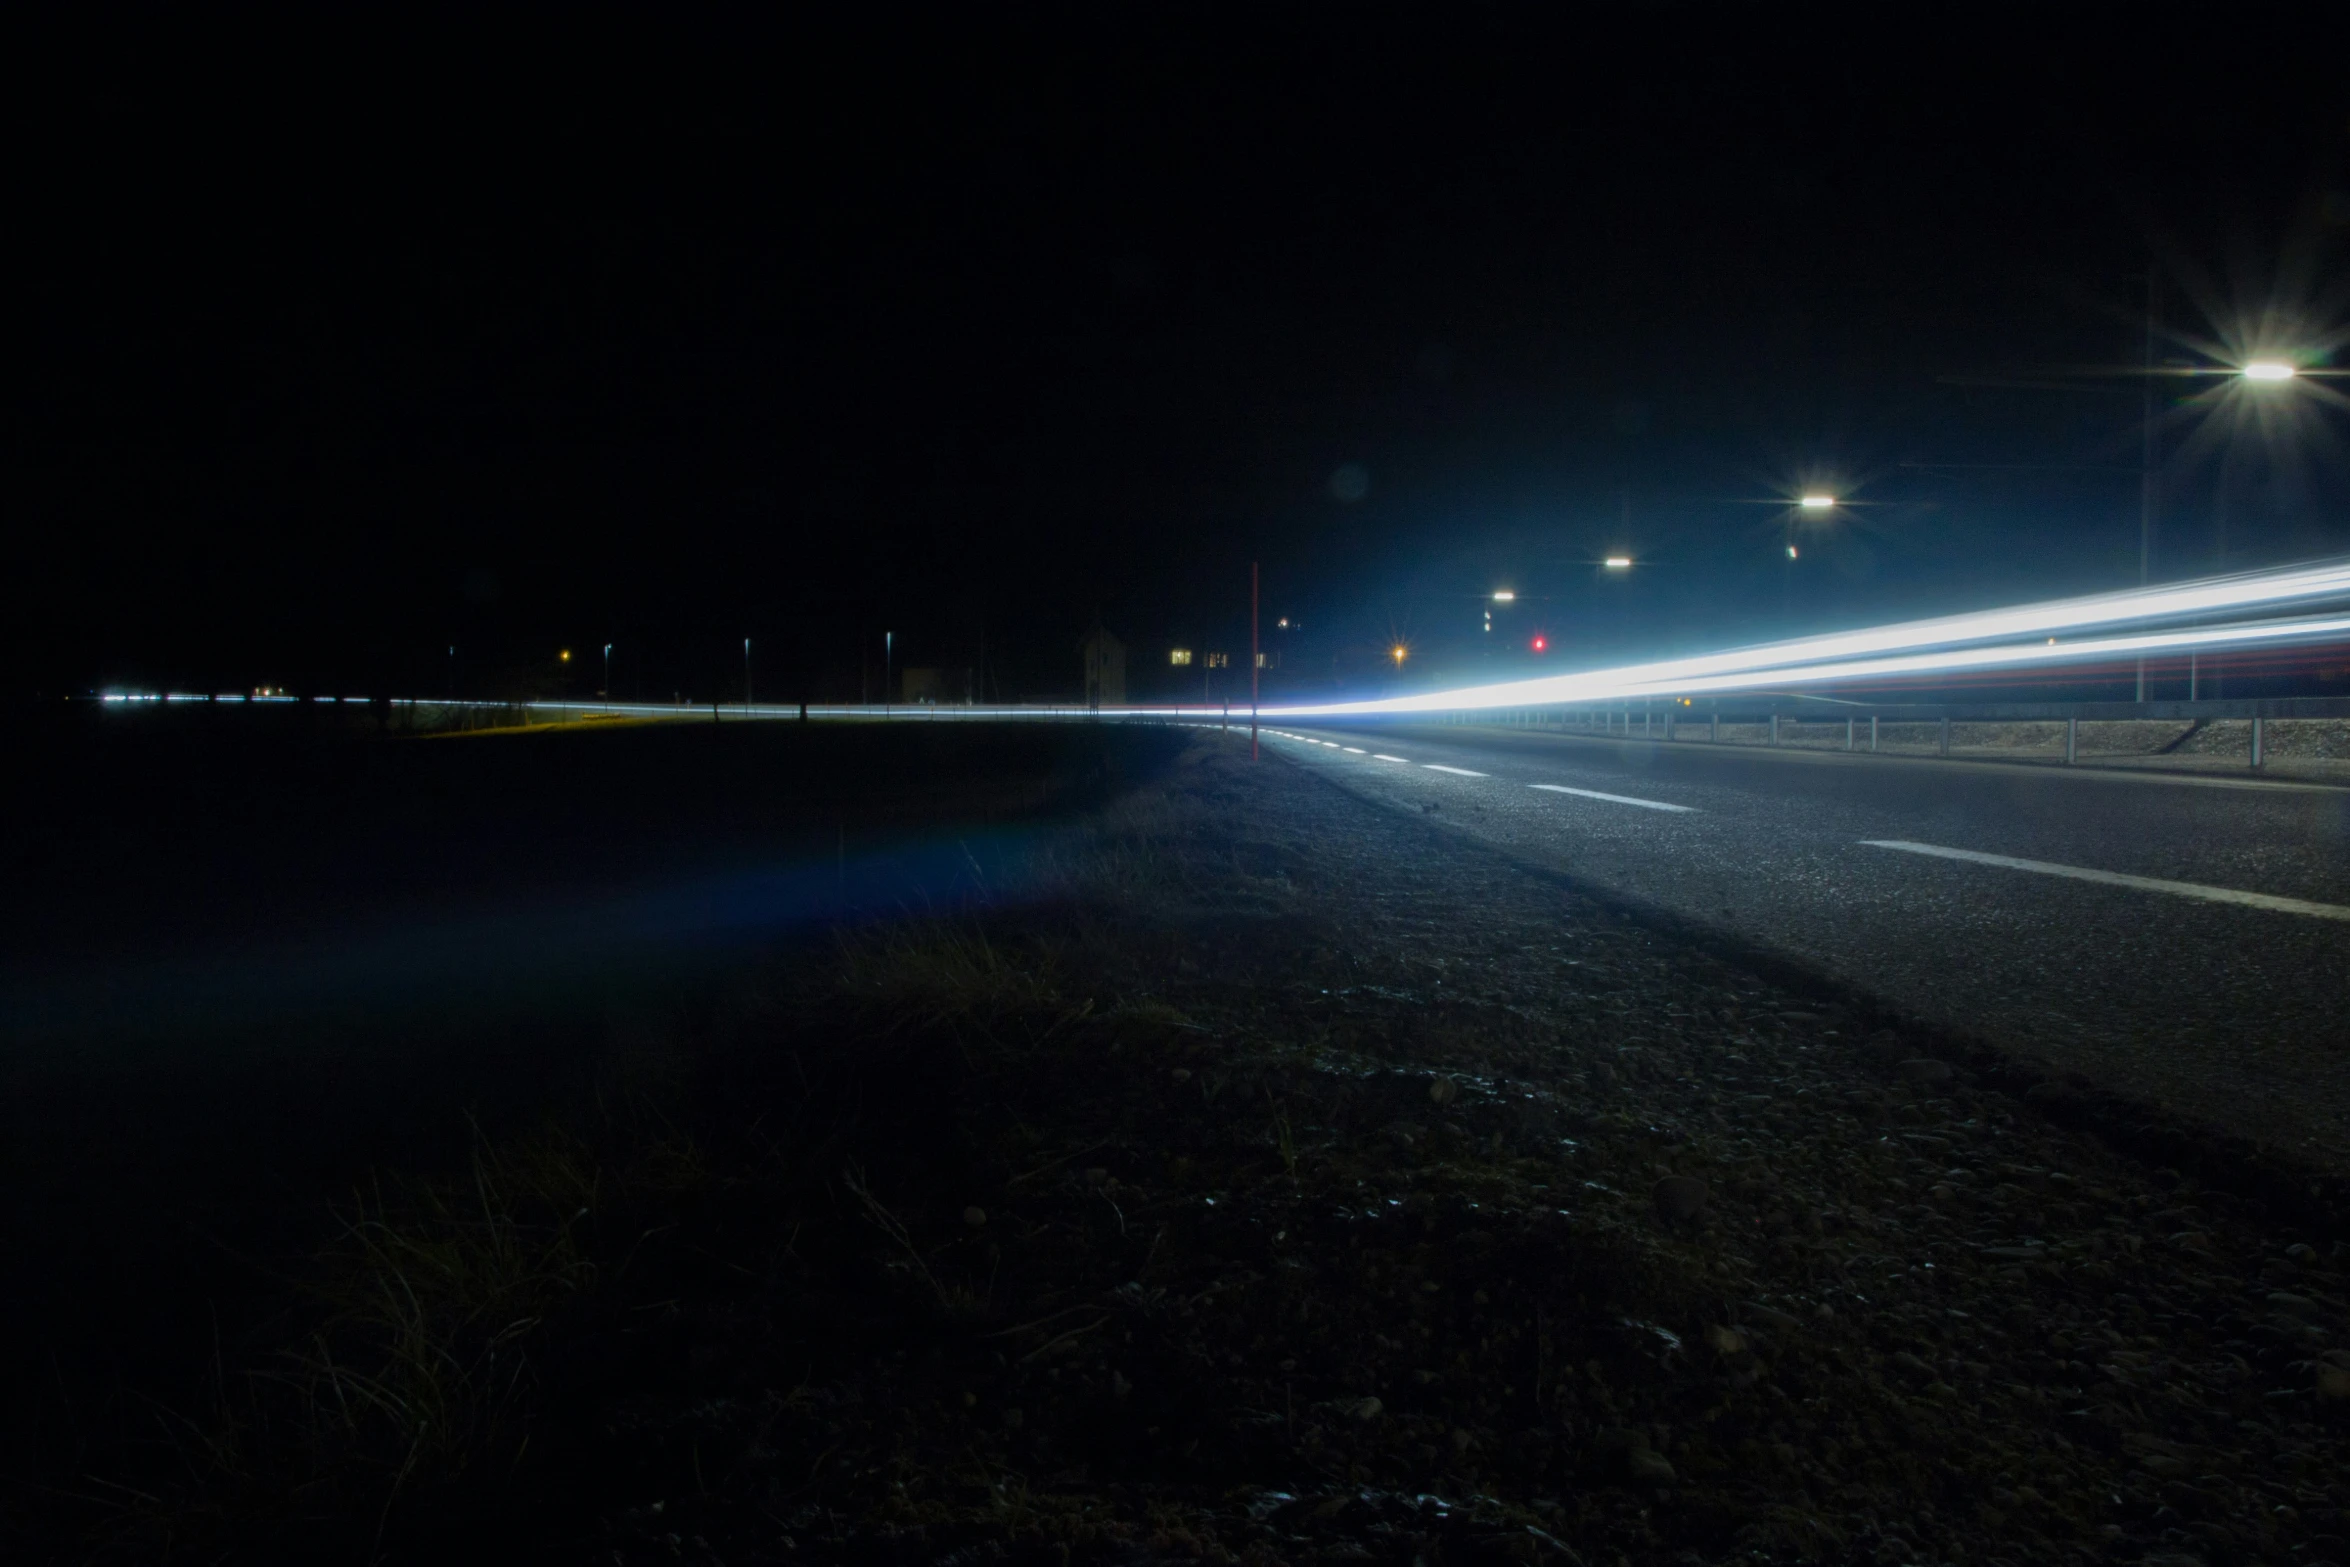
{"x": 333, "y": 349}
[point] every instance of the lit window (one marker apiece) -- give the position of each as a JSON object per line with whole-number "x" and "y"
{"x": 1179, "y": 656}
{"x": 1219, "y": 660}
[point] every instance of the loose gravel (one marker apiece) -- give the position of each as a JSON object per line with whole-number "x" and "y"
{"x": 1380, "y": 1202}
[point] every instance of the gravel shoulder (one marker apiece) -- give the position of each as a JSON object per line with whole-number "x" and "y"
{"x": 1301, "y": 1187}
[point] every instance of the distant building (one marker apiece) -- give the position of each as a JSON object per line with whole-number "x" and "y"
{"x": 935, "y": 687}
{"x": 1105, "y": 669}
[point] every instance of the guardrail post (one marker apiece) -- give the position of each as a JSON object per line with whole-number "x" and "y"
{"x": 1872, "y": 734}
{"x": 1944, "y": 747}
{"x": 1847, "y": 731}
{"x": 1774, "y": 729}
{"x": 1713, "y": 734}
{"x": 2072, "y": 741}
{"x": 2258, "y": 739}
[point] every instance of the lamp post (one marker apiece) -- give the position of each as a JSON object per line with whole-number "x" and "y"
{"x": 888, "y": 662}
{"x": 746, "y": 677}
{"x": 607, "y": 674}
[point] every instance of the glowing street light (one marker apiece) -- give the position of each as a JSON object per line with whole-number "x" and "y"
{"x": 1618, "y": 563}
{"x": 1398, "y": 653}
{"x": 1505, "y": 596}
{"x": 1817, "y": 502}
{"x": 2268, "y": 370}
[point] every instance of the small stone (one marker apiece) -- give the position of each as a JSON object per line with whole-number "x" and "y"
{"x": 975, "y": 1216}
{"x": 1649, "y": 1465}
{"x": 1461, "y": 1440}
{"x": 1444, "y": 1090}
{"x": 1679, "y": 1197}
{"x": 1014, "y": 1419}
{"x": 1365, "y": 1408}
{"x": 1922, "y": 1071}
{"x": 1289, "y": 1365}
{"x": 1725, "y": 1341}
{"x": 2333, "y": 1382}
{"x": 1181, "y": 1074}
{"x": 1096, "y": 1176}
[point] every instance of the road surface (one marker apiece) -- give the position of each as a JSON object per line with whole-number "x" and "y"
{"x": 2184, "y": 940}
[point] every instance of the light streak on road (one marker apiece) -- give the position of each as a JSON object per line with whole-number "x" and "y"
{"x": 1608, "y": 685}
{"x": 1853, "y": 653}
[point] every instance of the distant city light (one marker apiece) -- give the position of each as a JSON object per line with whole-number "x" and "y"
{"x": 1179, "y": 656}
{"x": 2268, "y": 370}
{"x": 1617, "y": 562}
{"x": 1791, "y": 552}
{"x": 564, "y": 656}
{"x": 1397, "y": 653}
{"x": 1817, "y": 502}
{"x": 1505, "y": 596}
{"x": 1541, "y": 644}
{"x": 1283, "y": 622}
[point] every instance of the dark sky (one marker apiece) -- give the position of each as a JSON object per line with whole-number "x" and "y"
{"x": 335, "y": 347}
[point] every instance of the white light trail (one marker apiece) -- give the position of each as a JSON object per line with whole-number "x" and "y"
{"x": 1857, "y": 654}
{"x": 1607, "y": 686}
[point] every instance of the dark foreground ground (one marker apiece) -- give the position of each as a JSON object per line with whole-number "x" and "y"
{"x": 1279, "y": 1182}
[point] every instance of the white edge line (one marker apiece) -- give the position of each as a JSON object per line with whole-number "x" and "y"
{"x": 2182, "y": 889}
{"x": 1439, "y": 767}
{"x": 1619, "y": 799}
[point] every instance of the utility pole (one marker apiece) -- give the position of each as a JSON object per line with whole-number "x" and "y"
{"x": 1253, "y": 658}
{"x": 746, "y": 677}
{"x": 2149, "y": 470}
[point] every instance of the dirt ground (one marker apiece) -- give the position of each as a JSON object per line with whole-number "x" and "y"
{"x": 1292, "y": 1185}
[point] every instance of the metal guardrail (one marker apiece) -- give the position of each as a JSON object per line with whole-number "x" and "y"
{"x": 1864, "y": 721}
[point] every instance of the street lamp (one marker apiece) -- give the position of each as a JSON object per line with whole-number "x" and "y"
{"x": 607, "y": 671}
{"x": 2269, "y": 370}
{"x": 1618, "y": 563}
{"x": 746, "y": 676}
{"x": 1817, "y": 502}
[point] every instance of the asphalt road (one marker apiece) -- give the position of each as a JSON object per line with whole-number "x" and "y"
{"x": 2221, "y": 1010}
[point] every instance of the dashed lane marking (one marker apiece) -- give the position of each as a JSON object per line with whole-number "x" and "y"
{"x": 1618, "y": 799}
{"x": 1382, "y": 756}
{"x": 1439, "y": 767}
{"x": 1352, "y": 750}
{"x": 2179, "y": 889}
